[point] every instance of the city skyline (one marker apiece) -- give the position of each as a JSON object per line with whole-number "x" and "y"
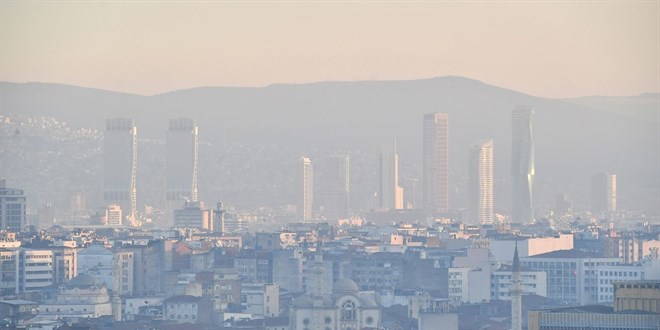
{"x": 309, "y": 165}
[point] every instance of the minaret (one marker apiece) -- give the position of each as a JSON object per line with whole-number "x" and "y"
{"x": 318, "y": 290}
{"x": 516, "y": 291}
{"x": 116, "y": 299}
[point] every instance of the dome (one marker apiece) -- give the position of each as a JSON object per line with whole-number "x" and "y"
{"x": 83, "y": 281}
{"x": 345, "y": 285}
{"x": 367, "y": 302}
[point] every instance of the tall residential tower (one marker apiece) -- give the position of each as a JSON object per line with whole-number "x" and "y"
{"x": 306, "y": 187}
{"x": 522, "y": 164}
{"x": 480, "y": 185}
{"x": 436, "y": 162}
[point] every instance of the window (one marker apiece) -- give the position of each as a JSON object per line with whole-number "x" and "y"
{"x": 348, "y": 311}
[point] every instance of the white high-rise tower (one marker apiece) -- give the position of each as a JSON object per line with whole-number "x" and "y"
{"x": 390, "y": 193}
{"x": 480, "y": 185}
{"x": 306, "y": 186}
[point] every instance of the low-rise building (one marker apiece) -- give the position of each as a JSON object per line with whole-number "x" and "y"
{"x": 188, "y": 309}
{"x": 83, "y": 296}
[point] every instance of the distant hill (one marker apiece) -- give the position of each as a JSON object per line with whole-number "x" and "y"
{"x": 574, "y": 137}
{"x": 644, "y": 106}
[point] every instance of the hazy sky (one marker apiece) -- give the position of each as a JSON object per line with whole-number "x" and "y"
{"x": 548, "y": 48}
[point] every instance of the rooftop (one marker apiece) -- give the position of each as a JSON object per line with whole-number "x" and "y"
{"x": 568, "y": 254}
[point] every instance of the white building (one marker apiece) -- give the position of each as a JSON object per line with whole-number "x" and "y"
{"x": 306, "y": 186}
{"x": 572, "y": 274}
{"x": 480, "y": 184}
{"x": 607, "y": 275}
{"x": 35, "y": 270}
{"x": 502, "y": 250}
{"x": 458, "y": 285}
{"x": 261, "y": 300}
{"x": 390, "y": 193}
{"x": 83, "y": 296}
{"x": 96, "y": 261}
{"x": 531, "y": 282}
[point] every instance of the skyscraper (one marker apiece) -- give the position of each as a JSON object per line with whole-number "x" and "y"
{"x": 120, "y": 165}
{"x": 436, "y": 162}
{"x": 390, "y": 193}
{"x": 306, "y": 186}
{"x": 336, "y": 186}
{"x": 12, "y": 208}
{"x": 603, "y": 193}
{"x": 182, "y": 161}
{"x": 480, "y": 186}
{"x": 522, "y": 164}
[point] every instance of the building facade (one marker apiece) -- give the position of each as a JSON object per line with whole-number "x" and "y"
{"x": 182, "y": 161}
{"x": 12, "y": 208}
{"x": 480, "y": 184}
{"x": 572, "y": 274}
{"x": 435, "y": 166}
{"x": 390, "y": 194}
{"x": 194, "y": 215}
{"x": 120, "y": 164}
{"x": 522, "y": 165}
{"x": 603, "y": 193}
{"x": 306, "y": 189}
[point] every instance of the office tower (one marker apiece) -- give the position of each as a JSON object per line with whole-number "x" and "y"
{"x": 12, "y": 208}
{"x": 436, "y": 162}
{"x": 522, "y": 164}
{"x": 182, "y": 161}
{"x": 603, "y": 193}
{"x": 120, "y": 166}
{"x": 390, "y": 193}
{"x": 336, "y": 187}
{"x": 194, "y": 215}
{"x": 480, "y": 186}
{"x": 306, "y": 188}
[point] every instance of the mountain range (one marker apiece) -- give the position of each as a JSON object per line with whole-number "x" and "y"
{"x": 574, "y": 138}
